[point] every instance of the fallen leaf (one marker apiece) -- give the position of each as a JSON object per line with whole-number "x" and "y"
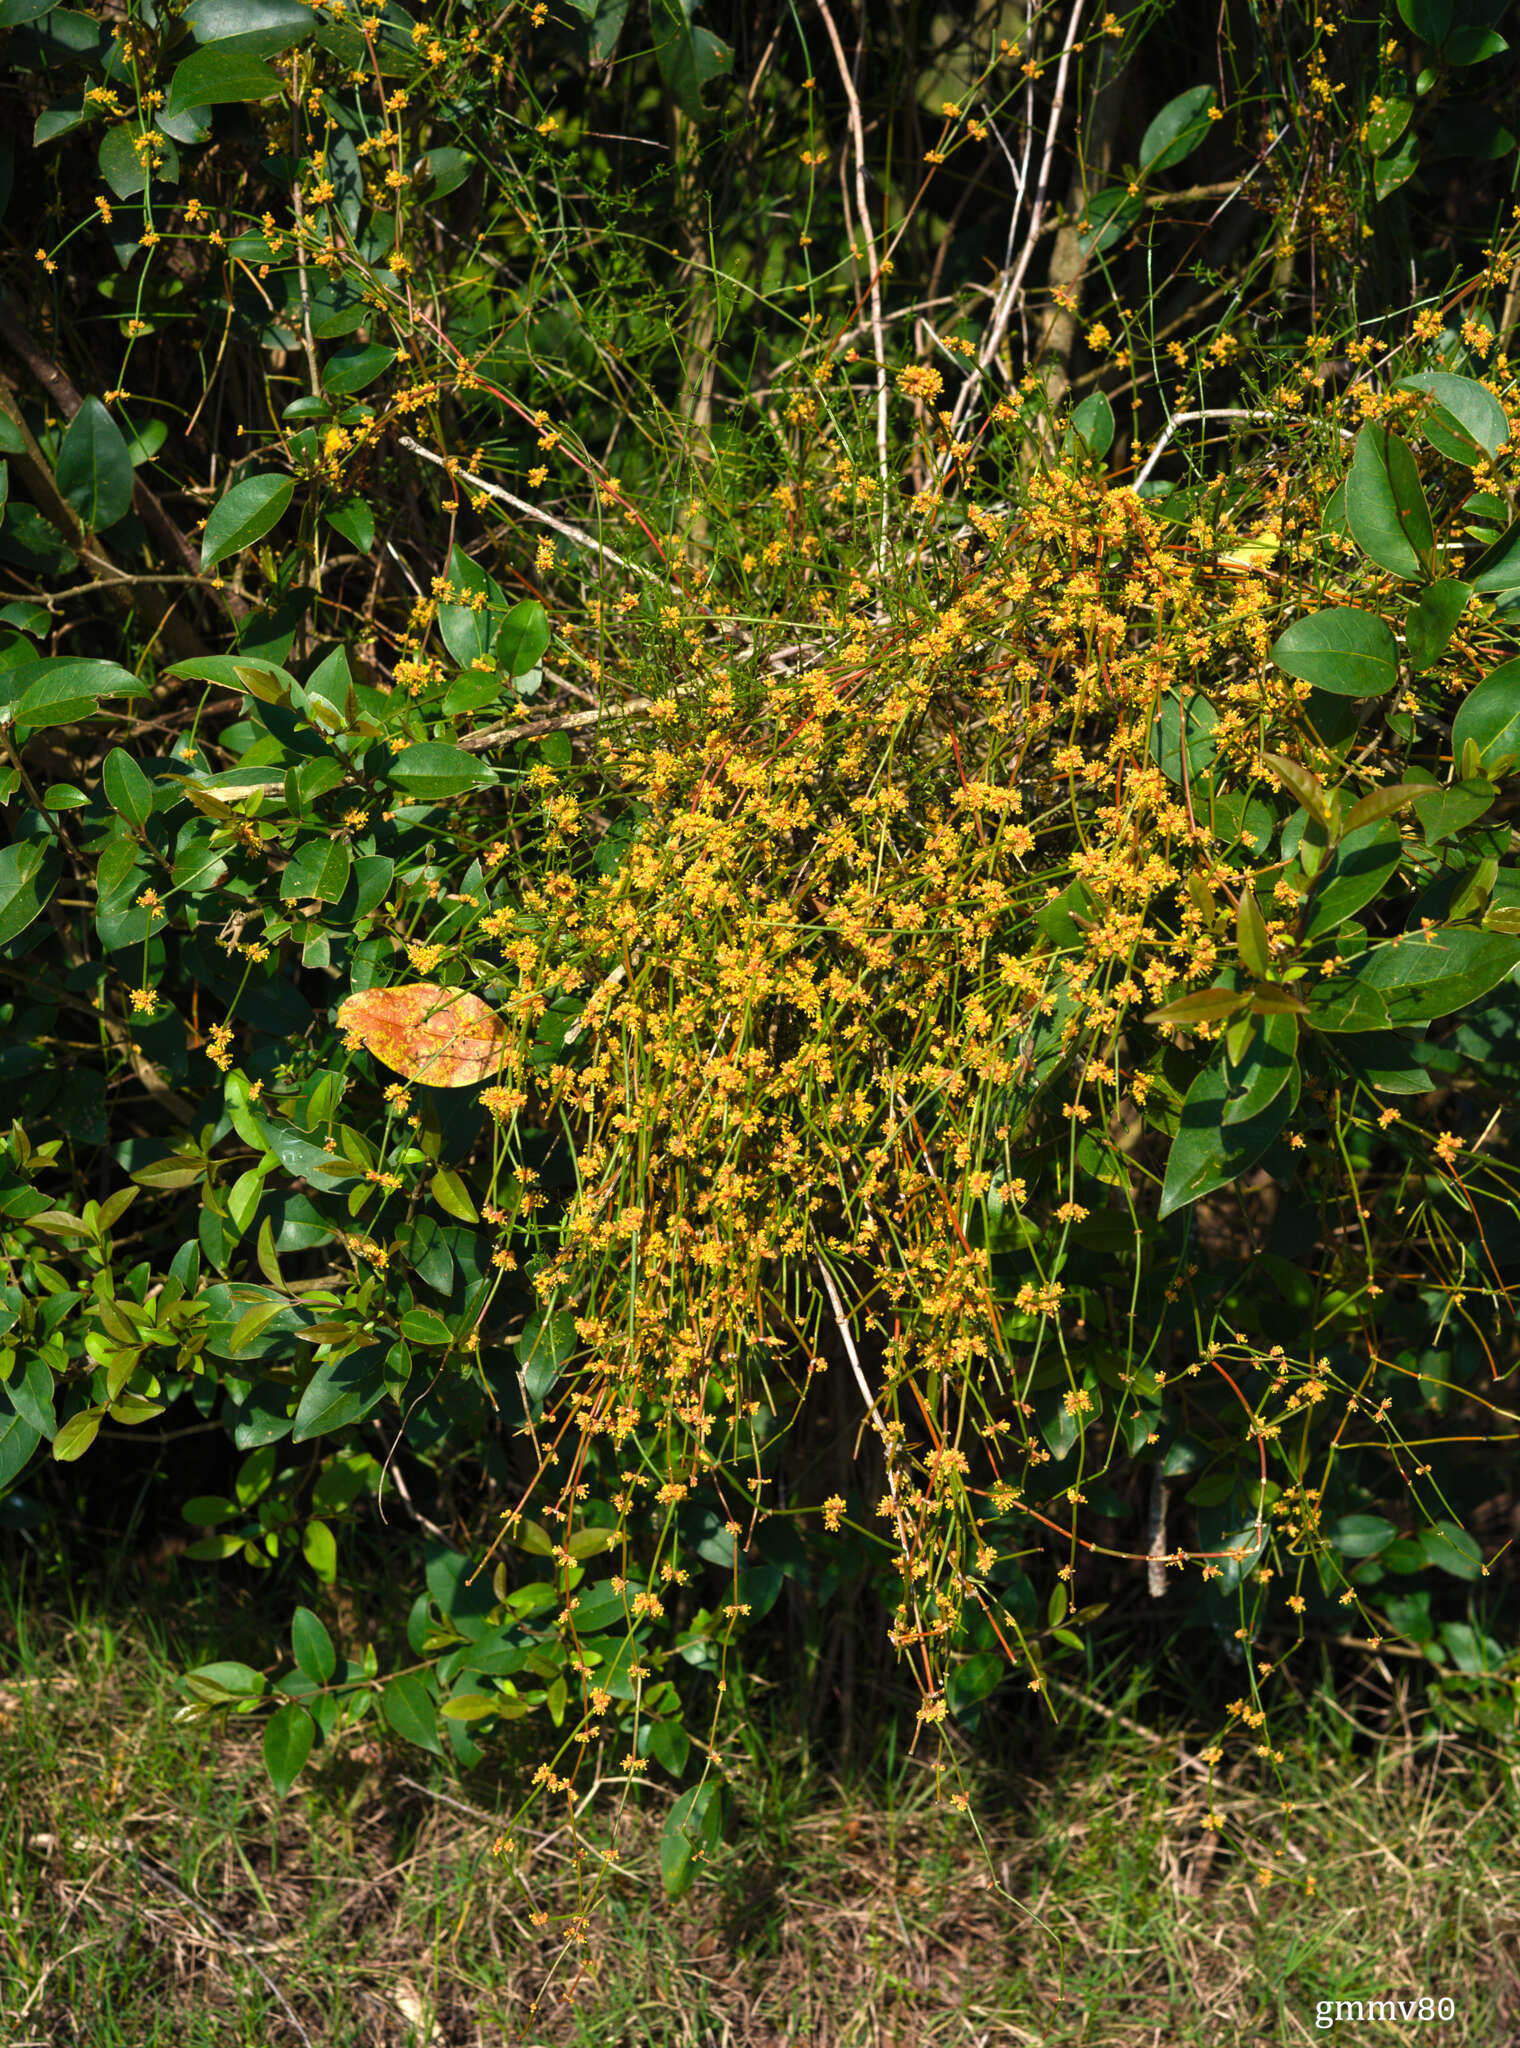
{"x": 443, "y": 1037}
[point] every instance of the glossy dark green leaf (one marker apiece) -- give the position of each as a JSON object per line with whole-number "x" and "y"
{"x": 1465, "y": 420}
{"x": 1254, "y": 1082}
{"x": 1347, "y": 652}
{"x": 352, "y": 369}
{"x": 288, "y": 1736}
{"x": 1357, "y": 871}
{"x": 1385, "y": 504}
{"x": 341, "y": 1392}
{"x": 692, "y": 1829}
{"x": 1093, "y": 420}
{"x": 1432, "y": 619}
{"x": 1107, "y": 218}
{"x": 1497, "y": 569}
{"x": 1421, "y": 977}
{"x": 435, "y": 770}
{"x": 18, "y": 1443}
{"x": 1166, "y": 735}
{"x": 1428, "y": 19}
{"x": 29, "y": 870}
{"x": 95, "y": 467}
{"x": 1386, "y": 126}
{"x": 1361, "y": 1535}
{"x": 122, "y": 166}
{"x": 545, "y": 1346}
{"x": 689, "y": 57}
{"x": 355, "y": 520}
{"x": 128, "y": 790}
{"x": 60, "y": 690}
{"x": 410, "y": 1709}
{"x": 1177, "y": 130}
{"x": 1385, "y": 1061}
{"x": 1490, "y": 715}
{"x": 1206, "y": 1152}
{"x": 524, "y": 638}
{"x": 222, "y": 21}
{"x": 313, "y": 1646}
{"x": 317, "y": 872}
{"x": 1449, "y": 811}
{"x": 1396, "y": 169}
{"x": 222, "y": 74}
{"x": 1451, "y": 1550}
{"x": 241, "y": 518}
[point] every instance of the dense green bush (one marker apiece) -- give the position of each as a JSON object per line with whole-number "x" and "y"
{"x": 833, "y": 762}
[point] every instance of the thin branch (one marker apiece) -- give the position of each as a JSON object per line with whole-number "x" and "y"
{"x": 535, "y": 512}
{"x": 863, "y": 208}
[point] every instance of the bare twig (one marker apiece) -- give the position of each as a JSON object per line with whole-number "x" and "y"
{"x": 534, "y": 512}
{"x": 863, "y": 208}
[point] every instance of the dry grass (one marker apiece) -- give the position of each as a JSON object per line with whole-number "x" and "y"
{"x": 154, "y": 1890}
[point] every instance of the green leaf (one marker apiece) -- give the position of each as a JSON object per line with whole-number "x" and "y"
{"x": 1385, "y": 504}
{"x": 692, "y": 1829}
{"x": 1390, "y": 172}
{"x": 689, "y": 58}
{"x": 546, "y": 1343}
{"x": 222, "y": 74}
{"x": 317, "y": 873}
{"x": 1472, "y": 44}
{"x": 523, "y": 640}
{"x": 1356, "y": 872}
{"x": 1445, "y": 812}
{"x": 1207, "y": 1153}
{"x": 1251, "y": 936}
{"x": 355, "y": 520}
{"x": 29, "y": 870}
{"x": 425, "y": 1326}
{"x": 18, "y": 1442}
{"x": 1383, "y": 1060}
{"x": 1432, "y": 619}
{"x": 248, "y": 511}
{"x": 451, "y": 1195}
{"x": 409, "y": 1708}
{"x": 1361, "y": 1535}
{"x": 340, "y": 1392}
{"x": 76, "y": 1435}
{"x": 1430, "y": 20}
{"x": 1177, "y": 130}
{"x": 1343, "y": 1004}
{"x": 1203, "y": 1006}
{"x": 1388, "y": 124}
{"x": 288, "y": 1736}
{"x": 1093, "y": 420}
{"x": 1465, "y": 422}
{"x": 60, "y": 690}
{"x": 1452, "y": 1550}
{"x": 320, "y": 1550}
{"x": 1255, "y": 1081}
{"x": 667, "y": 1742}
{"x": 1107, "y": 218}
{"x": 223, "y": 21}
{"x": 467, "y": 627}
{"x": 128, "y": 790}
{"x": 352, "y": 369}
{"x": 1420, "y": 978}
{"x": 315, "y": 1656}
{"x": 1166, "y": 735}
{"x": 1490, "y": 715}
{"x": 123, "y": 167}
{"x": 434, "y": 770}
{"x": 222, "y": 1681}
{"x": 1497, "y": 569}
{"x": 1347, "y": 652}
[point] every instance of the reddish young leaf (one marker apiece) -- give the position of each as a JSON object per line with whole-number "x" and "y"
{"x": 444, "y": 1037}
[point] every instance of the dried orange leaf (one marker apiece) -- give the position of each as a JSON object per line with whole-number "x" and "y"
{"x": 444, "y": 1037}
